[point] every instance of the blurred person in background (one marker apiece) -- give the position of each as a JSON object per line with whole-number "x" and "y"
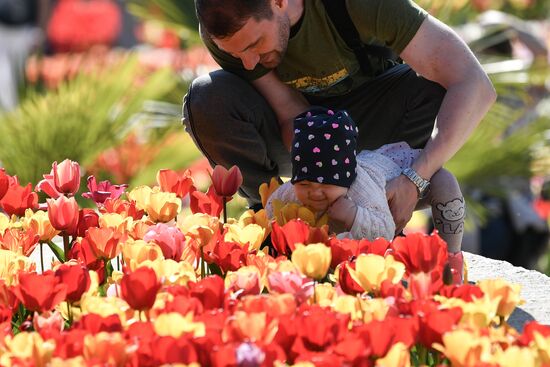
{"x": 22, "y": 29}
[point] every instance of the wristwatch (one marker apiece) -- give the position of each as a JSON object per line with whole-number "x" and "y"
{"x": 421, "y": 184}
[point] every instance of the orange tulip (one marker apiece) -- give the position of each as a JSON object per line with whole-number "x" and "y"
{"x": 19, "y": 241}
{"x": 66, "y": 176}
{"x": 104, "y": 242}
{"x": 18, "y": 198}
{"x": 170, "y": 181}
{"x": 226, "y": 182}
{"x": 63, "y": 214}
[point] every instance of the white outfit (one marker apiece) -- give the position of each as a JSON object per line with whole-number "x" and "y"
{"x": 368, "y": 191}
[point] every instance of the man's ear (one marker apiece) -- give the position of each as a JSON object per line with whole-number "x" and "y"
{"x": 281, "y": 4}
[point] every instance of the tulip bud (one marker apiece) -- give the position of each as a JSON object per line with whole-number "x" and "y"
{"x": 312, "y": 260}
{"x": 226, "y": 182}
{"x": 63, "y": 214}
{"x": 139, "y": 288}
{"x": 66, "y": 176}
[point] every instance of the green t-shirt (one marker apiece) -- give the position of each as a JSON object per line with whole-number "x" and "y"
{"x": 317, "y": 60}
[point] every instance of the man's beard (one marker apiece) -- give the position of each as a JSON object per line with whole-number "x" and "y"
{"x": 272, "y": 59}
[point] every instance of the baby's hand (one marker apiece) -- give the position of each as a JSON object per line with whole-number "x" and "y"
{"x": 343, "y": 210}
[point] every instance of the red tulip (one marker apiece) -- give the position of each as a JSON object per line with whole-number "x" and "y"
{"x": 226, "y": 182}
{"x": 70, "y": 343}
{"x": 4, "y": 183}
{"x": 347, "y": 284}
{"x": 170, "y": 240}
{"x": 171, "y": 351}
{"x": 139, "y": 288}
{"x": 76, "y": 278}
{"x": 434, "y": 322}
{"x": 66, "y": 176}
{"x": 209, "y": 203}
{"x": 86, "y": 218}
{"x": 285, "y": 238}
{"x": 384, "y": 334}
{"x": 104, "y": 242}
{"x": 466, "y": 292}
{"x": 21, "y": 241}
{"x": 63, "y": 214}
{"x": 529, "y": 331}
{"x": 99, "y": 192}
{"x": 346, "y": 249}
{"x": 18, "y": 198}
{"x": 420, "y": 252}
{"x": 40, "y": 292}
{"x": 170, "y": 181}
{"x": 94, "y": 323}
{"x": 210, "y": 291}
{"x": 229, "y": 256}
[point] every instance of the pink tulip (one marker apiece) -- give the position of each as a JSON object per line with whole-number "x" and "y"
{"x": 226, "y": 182}
{"x": 99, "y": 192}
{"x": 47, "y": 186}
{"x": 170, "y": 239}
{"x": 66, "y": 176}
{"x": 291, "y": 282}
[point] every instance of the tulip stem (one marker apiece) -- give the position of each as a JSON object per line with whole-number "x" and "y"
{"x": 69, "y": 313}
{"x": 202, "y": 263}
{"x": 224, "y": 209}
{"x": 118, "y": 263}
{"x": 41, "y": 257}
{"x": 105, "y": 261}
{"x": 66, "y": 247}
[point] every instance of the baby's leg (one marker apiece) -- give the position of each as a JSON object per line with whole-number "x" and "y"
{"x": 447, "y": 204}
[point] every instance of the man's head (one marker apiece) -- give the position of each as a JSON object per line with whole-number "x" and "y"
{"x": 255, "y": 31}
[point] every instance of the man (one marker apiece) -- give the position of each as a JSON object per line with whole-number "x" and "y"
{"x": 281, "y": 56}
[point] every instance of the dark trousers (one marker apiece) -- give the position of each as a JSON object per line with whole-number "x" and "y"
{"x": 232, "y": 124}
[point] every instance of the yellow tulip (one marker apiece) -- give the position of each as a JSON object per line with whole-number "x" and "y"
{"x": 374, "y": 309}
{"x": 163, "y": 206}
{"x": 117, "y": 221}
{"x": 267, "y": 189}
{"x": 477, "y": 314}
{"x": 542, "y": 344}
{"x": 169, "y": 271}
{"x": 371, "y": 270}
{"x": 5, "y": 222}
{"x": 40, "y": 223}
{"x": 465, "y": 348}
{"x": 31, "y": 346}
{"x": 200, "y": 227}
{"x": 509, "y": 294}
{"x": 109, "y": 348}
{"x": 69, "y": 362}
{"x": 106, "y": 306}
{"x": 515, "y": 356}
{"x": 398, "y": 356}
{"x": 252, "y": 234}
{"x": 312, "y": 260}
{"x": 11, "y": 264}
{"x": 285, "y": 212}
{"x": 349, "y": 305}
{"x": 141, "y": 195}
{"x": 139, "y": 251}
{"x": 324, "y": 294}
{"x": 175, "y": 325}
{"x": 260, "y": 218}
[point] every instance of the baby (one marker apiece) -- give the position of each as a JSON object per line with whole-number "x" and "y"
{"x": 328, "y": 176}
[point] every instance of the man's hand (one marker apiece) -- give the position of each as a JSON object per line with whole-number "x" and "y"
{"x": 343, "y": 210}
{"x": 402, "y": 197}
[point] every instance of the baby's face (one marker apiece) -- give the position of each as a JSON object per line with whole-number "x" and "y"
{"x": 317, "y": 196}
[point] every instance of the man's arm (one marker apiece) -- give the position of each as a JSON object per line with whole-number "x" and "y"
{"x": 438, "y": 54}
{"x": 286, "y": 102}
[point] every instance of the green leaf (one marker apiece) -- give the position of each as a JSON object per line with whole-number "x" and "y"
{"x": 57, "y": 251}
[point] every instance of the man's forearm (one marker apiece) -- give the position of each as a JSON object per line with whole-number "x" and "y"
{"x": 463, "y": 107}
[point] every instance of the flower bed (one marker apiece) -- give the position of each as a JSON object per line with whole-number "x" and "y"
{"x": 187, "y": 288}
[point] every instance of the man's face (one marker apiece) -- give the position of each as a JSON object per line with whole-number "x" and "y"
{"x": 259, "y": 42}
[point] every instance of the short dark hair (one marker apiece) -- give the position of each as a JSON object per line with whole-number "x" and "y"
{"x": 223, "y": 18}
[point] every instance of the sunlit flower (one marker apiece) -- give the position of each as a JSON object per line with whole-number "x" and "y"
{"x": 175, "y": 325}
{"x": 509, "y": 294}
{"x": 371, "y": 270}
{"x": 141, "y": 195}
{"x": 252, "y": 234}
{"x": 465, "y": 348}
{"x": 29, "y": 346}
{"x": 398, "y": 356}
{"x": 66, "y": 176}
{"x": 108, "y": 348}
{"x": 11, "y": 264}
{"x": 39, "y": 222}
{"x": 163, "y": 206}
{"x": 312, "y": 260}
